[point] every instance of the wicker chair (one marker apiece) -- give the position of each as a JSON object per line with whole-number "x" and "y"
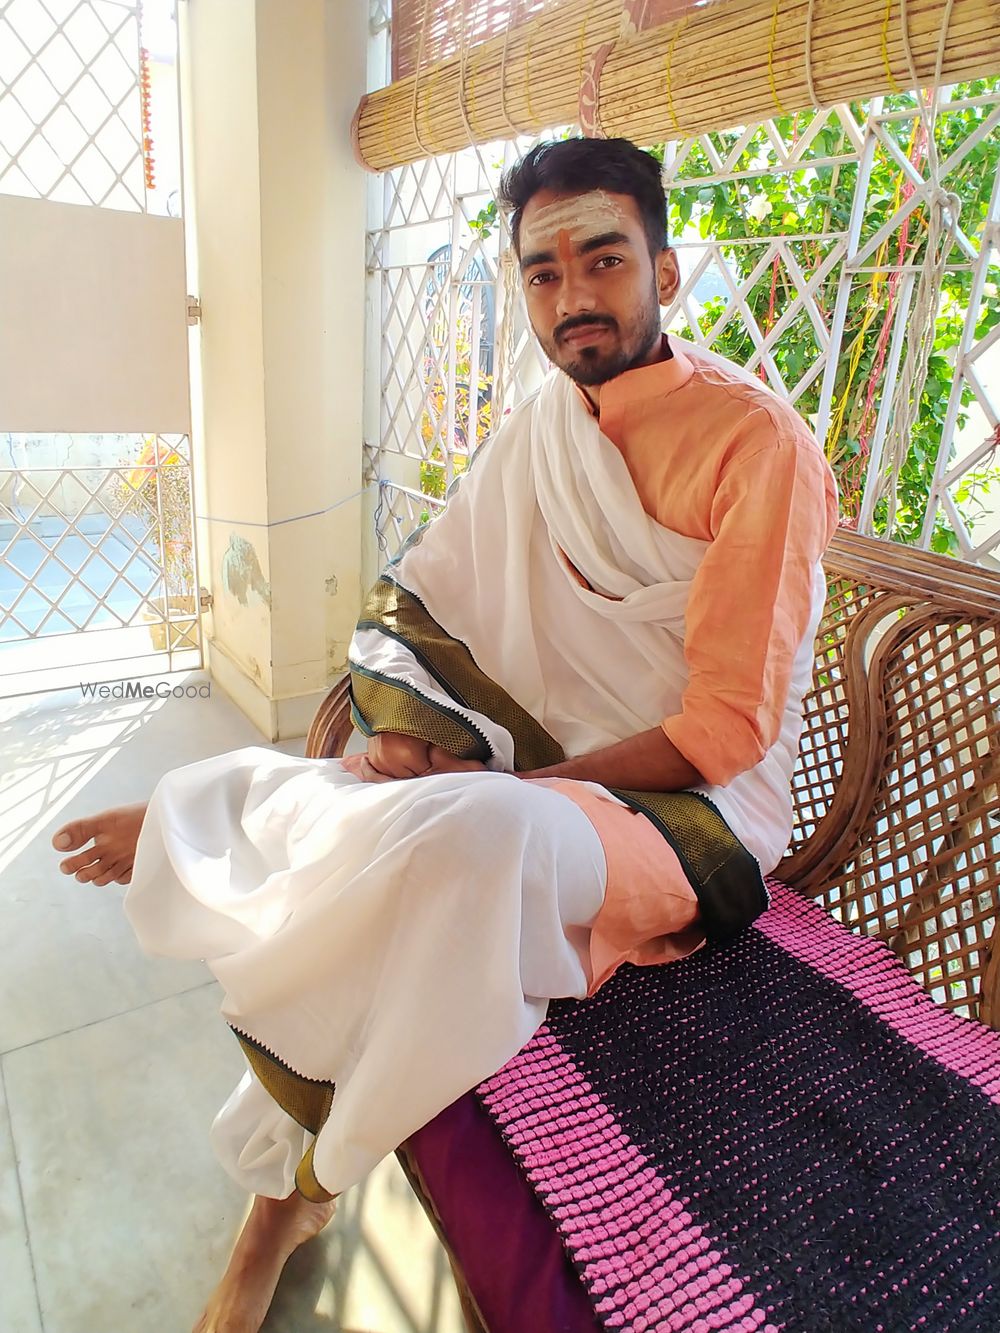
{"x": 897, "y": 789}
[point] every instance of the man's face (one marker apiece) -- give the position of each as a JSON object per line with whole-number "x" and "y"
{"x": 593, "y": 291}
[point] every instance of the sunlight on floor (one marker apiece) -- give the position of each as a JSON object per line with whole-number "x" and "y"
{"x": 114, "y": 1215}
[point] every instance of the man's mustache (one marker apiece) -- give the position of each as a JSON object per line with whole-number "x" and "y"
{"x": 585, "y": 322}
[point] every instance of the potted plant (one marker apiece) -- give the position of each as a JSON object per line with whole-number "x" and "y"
{"x": 158, "y": 490}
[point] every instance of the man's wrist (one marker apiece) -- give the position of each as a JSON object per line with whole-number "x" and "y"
{"x": 646, "y": 762}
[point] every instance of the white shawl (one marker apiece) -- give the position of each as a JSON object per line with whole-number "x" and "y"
{"x": 337, "y": 913}
{"x": 551, "y": 494}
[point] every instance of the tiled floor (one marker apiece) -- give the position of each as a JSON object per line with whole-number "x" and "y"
{"x": 114, "y": 1215}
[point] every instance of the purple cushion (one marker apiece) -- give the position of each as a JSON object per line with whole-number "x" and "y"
{"x": 499, "y": 1233}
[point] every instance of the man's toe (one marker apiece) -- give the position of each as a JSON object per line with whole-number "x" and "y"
{"x": 114, "y": 875}
{"x": 73, "y": 864}
{"x": 72, "y": 835}
{"x": 89, "y": 873}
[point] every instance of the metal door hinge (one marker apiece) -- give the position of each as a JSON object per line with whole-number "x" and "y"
{"x": 205, "y": 599}
{"x": 193, "y": 310}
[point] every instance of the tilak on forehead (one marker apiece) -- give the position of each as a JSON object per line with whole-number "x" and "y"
{"x": 570, "y": 221}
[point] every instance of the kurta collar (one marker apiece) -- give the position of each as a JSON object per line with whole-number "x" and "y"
{"x": 655, "y": 381}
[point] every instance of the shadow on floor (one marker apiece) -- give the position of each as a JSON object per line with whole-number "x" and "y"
{"x": 114, "y": 1215}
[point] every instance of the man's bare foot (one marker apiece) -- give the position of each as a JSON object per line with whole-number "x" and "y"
{"x": 113, "y": 835}
{"x": 272, "y": 1231}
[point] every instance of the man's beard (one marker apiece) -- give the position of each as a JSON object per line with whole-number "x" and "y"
{"x": 594, "y": 365}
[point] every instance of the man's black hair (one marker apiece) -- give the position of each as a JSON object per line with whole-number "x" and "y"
{"x": 574, "y": 166}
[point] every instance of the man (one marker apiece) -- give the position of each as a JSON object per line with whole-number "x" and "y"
{"x": 582, "y": 688}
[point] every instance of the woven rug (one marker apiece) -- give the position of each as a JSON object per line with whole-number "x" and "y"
{"x": 784, "y": 1133}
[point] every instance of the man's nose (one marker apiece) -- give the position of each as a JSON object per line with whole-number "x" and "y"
{"x": 575, "y": 296}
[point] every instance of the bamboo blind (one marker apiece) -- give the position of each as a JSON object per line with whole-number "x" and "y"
{"x": 716, "y": 66}
{"x": 427, "y": 31}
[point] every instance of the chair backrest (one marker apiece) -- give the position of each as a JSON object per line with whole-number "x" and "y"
{"x": 896, "y": 789}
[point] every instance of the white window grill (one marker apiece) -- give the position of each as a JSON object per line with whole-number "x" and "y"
{"x": 127, "y": 523}
{"x": 96, "y": 531}
{"x": 845, "y": 294}
{"x": 783, "y": 299}
{"x": 455, "y": 352}
{"x": 71, "y": 102}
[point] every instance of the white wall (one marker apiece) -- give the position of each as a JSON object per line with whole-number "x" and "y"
{"x": 278, "y": 214}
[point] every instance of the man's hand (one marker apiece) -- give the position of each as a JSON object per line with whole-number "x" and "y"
{"x": 647, "y": 762}
{"x": 392, "y": 756}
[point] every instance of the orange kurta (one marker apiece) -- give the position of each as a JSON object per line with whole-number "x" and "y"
{"x": 722, "y": 459}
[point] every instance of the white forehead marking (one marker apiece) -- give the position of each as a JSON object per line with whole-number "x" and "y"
{"x": 579, "y": 215}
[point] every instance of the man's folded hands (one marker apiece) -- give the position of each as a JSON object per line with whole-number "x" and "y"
{"x": 392, "y": 756}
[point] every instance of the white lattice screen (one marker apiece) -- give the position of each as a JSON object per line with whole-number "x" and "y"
{"x": 437, "y": 253}
{"x": 819, "y": 274}
{"x": 71, "y": 102}
{"x": 455, "y": 351}
{"x": 97, "y": 559}
{"x": 92, "y": 543}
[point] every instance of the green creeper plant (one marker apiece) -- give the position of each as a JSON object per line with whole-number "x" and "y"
{"x": 805, "y": 204}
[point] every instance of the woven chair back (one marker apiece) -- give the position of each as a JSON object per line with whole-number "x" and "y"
{"x": 896, "y": 791}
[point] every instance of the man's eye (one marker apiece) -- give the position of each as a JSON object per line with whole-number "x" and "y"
{"x": 608, "y": 261}
{"x": 537, "y": 279}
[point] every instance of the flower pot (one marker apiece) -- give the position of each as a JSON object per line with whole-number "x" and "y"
{"x": 183, "y": 632}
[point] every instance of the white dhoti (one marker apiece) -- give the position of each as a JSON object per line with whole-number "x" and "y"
{"x": 400, "y": 939}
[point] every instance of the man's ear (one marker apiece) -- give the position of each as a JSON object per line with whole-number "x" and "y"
{"x": 668, "y": 275}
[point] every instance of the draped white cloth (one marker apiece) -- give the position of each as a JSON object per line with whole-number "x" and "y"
{"x": 598, "y": 664}
{"x": 402, "y": 939}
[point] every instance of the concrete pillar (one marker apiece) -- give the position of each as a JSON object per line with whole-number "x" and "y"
{"x": 278, "y": 207}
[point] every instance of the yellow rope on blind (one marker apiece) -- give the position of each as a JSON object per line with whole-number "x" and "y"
{"x": 726, "y": 64}
{"x": 814, "y": 97}
{"x": 527, "y": 74}
{"x": 670, "y": 83}
{"x": 466, "y": 99}
{"x": 770, "y": 58}
{"x": 426, "y": 151}
{"x": 581, "y": 45}
{"x": 512, "y": 129}
{"x": 894, "y": 86}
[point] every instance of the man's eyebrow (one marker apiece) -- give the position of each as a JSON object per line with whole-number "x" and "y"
{"x": 594, "y": 243}
{"x": 537, "y": 257}
{"x": 605, "y": 238}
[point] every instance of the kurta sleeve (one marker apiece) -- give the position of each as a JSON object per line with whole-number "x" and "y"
{"x": 773, "y": 514}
